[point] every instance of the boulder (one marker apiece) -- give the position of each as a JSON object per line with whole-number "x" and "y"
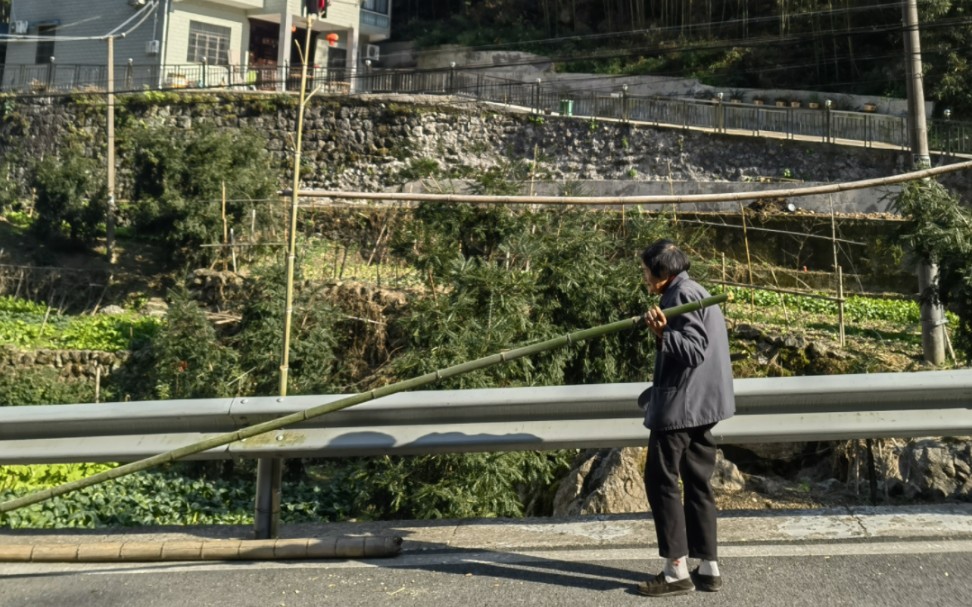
{"x": 611, "y": 481}
{"x": 604, "y": 481}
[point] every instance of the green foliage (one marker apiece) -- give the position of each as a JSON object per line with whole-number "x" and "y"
{"x": 420, "y": 168}
{"x": 71, "y": 200}
{"x": 177, "y": 185}
{"x": 25, "y": 324}
{"x": 189, "y": 360}
{"x": 939, "y": 230}
{"x": 41, "y": 386}
{"x": 166, "y": 496}
{"x": 856, "y": 309}
{"x": 504, "y": 179}
{"x": 442, "y": 233}
{"x": 451, "y": 486}
{"x": 46, "y": 476}
{"x": 8, "y": 196}
{"x": 533, "y": 276}
{"x": 19, "y": 219}
{"x": 315, "y": 327}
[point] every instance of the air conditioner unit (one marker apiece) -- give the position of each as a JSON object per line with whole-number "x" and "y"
{"x": 152, "y": 47}
{"x": 20, "y": 27}
{"x": 372, "y": 52}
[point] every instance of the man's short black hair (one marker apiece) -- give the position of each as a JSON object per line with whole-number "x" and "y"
{"x": 664, "y": 259}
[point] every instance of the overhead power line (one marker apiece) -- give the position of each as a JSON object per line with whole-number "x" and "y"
{"x": 141, "y": 15}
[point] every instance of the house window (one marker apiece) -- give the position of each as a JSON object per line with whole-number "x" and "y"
{"x": 45, "y": 48}
{"x": 376, "y": 6}
{"x": 209, "y": 43}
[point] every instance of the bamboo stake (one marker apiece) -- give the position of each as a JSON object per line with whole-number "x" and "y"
{"x": 749, "y": 261}
{"x": 350, "y": 401}
{"x": 233, "y": 248}
{"x": 840, "y": 305}
{"x": 225, "y": 238}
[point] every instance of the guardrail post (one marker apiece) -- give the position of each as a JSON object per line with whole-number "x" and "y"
{"x": 267, "y": 507}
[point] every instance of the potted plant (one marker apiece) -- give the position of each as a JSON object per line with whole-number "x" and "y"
{"x": 758, "y": 100}
{"x": 870, "y": 107}
{"x": 795, "y": 103}
{"x": 780, "y": 102}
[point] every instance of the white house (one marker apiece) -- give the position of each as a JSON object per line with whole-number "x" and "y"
{"x": 57, "y": 44}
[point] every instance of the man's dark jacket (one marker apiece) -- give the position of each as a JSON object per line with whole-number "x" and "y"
{"x": 692, "y": 385}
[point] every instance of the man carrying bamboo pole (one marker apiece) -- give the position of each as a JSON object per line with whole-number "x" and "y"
{"x": 691, "y": 392}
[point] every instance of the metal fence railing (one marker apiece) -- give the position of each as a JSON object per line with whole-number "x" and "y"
{"x": 948, "y": 137}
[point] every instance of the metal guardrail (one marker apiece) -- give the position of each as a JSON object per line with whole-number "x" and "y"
{"x": 830, "y": 125}
{"x": 934, "y": 403}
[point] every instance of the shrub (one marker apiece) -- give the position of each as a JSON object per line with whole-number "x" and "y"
{"x": 71, "y": 198}
{"x": 177, "y": 186}
{"x": 41, "y": 386}
{"x": 189, "y": 360}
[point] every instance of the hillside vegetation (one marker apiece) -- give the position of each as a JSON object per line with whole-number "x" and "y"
{"x": 380, "y": 295}
{"x": 853, "y": 47}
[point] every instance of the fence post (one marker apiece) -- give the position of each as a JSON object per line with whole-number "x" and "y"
{"x": 205, "y": 63}
{"x": 50, "y": 74}
{"x": 536, "y": 105}
{"x": 452, "y": 78}
{"x": 720, "y": 114}
{"x": 624, "y": 103}
{"x": 948, "y": 131}
{"x": 829, "y": 133}
{"x": 129, "y": 74}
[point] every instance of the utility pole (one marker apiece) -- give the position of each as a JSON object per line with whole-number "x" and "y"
{"x": 110, "y": 219}
{"x": 932, "y": 315}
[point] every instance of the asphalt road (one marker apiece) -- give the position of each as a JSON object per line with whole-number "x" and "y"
{"x": 907, "y": 573}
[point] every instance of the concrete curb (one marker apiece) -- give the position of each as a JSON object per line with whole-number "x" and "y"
{"x": 740, "y": 530}
{"x": 340, "y": 547}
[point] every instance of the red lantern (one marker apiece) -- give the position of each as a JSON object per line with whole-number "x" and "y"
{"x": 332, "y": 39}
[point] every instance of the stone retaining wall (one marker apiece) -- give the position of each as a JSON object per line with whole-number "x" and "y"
{"x": 71, "y": 364}
{"x": 365, "y": 142}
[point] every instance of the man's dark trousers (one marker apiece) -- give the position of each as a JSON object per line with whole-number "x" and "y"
{"x": 688, "y": 529}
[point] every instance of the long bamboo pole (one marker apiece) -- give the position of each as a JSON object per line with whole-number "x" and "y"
{"x": 344, "y": 403}
{"x": 829, "y": 188}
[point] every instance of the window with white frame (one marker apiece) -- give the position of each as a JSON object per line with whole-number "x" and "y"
{"x": 208, "y": 43}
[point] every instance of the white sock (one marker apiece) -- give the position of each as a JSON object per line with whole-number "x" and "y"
{"x": 709, "y": 568}
{"x": 676, "y": 569}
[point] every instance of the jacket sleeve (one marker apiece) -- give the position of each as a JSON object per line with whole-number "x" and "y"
{"x": 685, "y": 338}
